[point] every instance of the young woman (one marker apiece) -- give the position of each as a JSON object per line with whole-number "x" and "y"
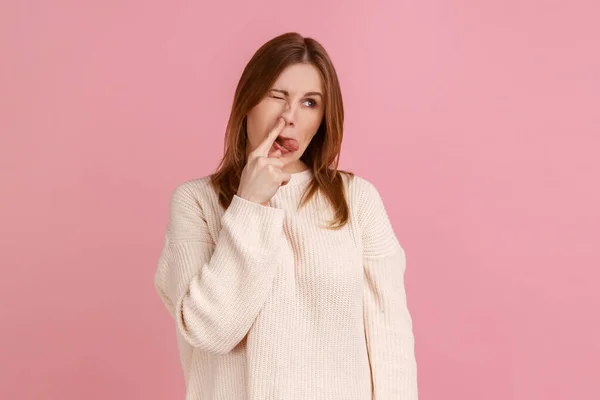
{"x": 283, "y": 273}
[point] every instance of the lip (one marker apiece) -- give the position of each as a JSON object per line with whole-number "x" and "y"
{"x": 286, "y": 138}
{"x": 280, "y": 144}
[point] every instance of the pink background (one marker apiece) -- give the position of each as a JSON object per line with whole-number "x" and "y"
{"x": 478, "y": 121}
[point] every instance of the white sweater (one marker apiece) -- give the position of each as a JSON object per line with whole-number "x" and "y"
{"x": 270, "y": 306}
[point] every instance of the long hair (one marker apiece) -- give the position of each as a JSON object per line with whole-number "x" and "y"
{"x": 321, "y": 155}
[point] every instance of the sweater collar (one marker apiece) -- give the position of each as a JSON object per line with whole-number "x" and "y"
{"x": 300, "y": 177}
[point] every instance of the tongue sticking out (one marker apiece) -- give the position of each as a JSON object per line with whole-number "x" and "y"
{"x": 288, "y": 144}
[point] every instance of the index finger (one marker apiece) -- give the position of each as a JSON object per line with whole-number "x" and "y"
{"x": 263, "y": 148}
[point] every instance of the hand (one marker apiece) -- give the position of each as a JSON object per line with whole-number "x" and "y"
{"x": 263, "y": 173}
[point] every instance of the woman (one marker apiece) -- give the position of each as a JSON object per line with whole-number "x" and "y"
{"x": 283, "y": 274}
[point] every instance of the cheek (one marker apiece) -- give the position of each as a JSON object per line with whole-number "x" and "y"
{"x": 255, "y": 124}
{"x": 260, "y": 119}
{"x": 311, "y": 125}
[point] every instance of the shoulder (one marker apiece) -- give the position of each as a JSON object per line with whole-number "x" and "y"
{"x": 366, "y": 203}
{"x": 196, "y": 191}
{"x": 189, "y": 204}
{"x": 361, "y": 191}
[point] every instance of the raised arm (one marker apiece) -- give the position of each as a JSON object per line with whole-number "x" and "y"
{"x": 215, "y": 290}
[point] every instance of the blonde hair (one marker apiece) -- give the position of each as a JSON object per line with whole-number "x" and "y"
{"x": 321, "y": 155}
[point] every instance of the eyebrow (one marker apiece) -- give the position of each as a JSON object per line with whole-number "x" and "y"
{"x": 285, "y": 92}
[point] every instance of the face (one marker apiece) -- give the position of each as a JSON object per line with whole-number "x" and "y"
{"x": 297, "y": 96}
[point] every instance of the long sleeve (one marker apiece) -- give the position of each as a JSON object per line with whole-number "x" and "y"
{"x": 388, "y": 322}
{"x": 215, "y": 289}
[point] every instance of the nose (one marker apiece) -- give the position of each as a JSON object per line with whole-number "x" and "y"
{"x": 289, "y": 114}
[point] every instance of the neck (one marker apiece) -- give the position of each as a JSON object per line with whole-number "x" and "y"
{"x": 294, "y": 167}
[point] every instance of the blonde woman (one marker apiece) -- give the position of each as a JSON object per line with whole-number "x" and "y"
{"x": 283, "y": 273}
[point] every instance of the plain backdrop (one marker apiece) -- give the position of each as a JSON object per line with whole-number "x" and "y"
{"x": 479, "y": 122}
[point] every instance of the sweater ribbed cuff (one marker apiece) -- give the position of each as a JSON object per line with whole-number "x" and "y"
{"x": 254, "y": 224}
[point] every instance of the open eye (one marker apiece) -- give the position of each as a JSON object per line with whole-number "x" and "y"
{"x": 314, "y": 103}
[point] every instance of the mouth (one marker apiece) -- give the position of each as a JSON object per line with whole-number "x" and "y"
{"x": 286, "y": 145}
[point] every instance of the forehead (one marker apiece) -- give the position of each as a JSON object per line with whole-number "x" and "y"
{"x": 299, "y": 78}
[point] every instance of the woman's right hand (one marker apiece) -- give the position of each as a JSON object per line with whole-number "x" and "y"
{"x": 263, "y": 173}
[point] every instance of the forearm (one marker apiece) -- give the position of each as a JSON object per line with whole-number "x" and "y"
{"x": 217, "y": 293}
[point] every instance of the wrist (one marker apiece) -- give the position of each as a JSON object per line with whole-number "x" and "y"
{"x": 251, "y": 199}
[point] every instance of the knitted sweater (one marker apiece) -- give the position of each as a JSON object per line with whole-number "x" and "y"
{"x": 269, "y": 305}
